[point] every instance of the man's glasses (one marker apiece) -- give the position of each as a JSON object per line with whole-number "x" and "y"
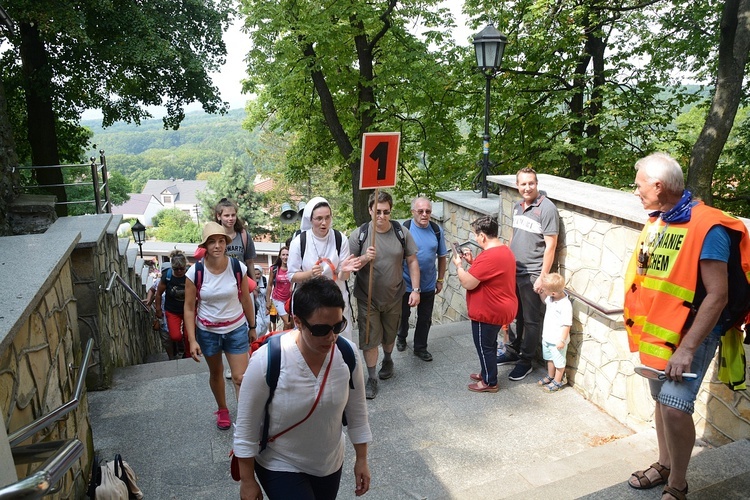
{"x": 424, "y": 211}
{"x": 322, "y": 330}
{"x": 383, "y": 212}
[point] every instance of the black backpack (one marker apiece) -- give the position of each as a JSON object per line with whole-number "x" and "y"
{"x": 365, "y": 228}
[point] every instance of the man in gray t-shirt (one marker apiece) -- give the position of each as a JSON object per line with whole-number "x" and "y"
{"x": 534, "y": 241}
{"x": 388, "y": 287}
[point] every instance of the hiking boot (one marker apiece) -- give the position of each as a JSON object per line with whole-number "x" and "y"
{"x": 386, "y": 369}
{"x": 520, "y": 371}
{"x": 371, "y": 388}
{"x": 506, "y": 358}
{"x": 223, "y": 421}
{"x": 423, "y": 355}
{"x": 400, "y": 344}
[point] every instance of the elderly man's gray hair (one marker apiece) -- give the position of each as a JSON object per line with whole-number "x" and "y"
{"x": 662, "y": 167}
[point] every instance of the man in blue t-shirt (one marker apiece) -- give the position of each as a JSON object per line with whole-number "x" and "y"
{"x": 431, "y": 243}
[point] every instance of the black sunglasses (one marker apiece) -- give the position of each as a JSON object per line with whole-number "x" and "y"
{"x": 322, "y": 330}
{"x": 178, "y": 268}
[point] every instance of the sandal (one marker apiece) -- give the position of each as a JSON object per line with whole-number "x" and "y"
{"x": 677, "y": 494}
{"x": 644, "y": 482}
{"x": 553, "y": 386}
{"x": 545, "y": 380}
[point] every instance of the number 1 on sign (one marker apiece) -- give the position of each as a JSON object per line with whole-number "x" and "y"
{"x": 379, "y": 160}
{"x": 380, "y": 155}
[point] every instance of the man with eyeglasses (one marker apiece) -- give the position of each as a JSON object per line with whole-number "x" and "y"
{"x": 394, "y": 244}
{"x": 431, "y": 243}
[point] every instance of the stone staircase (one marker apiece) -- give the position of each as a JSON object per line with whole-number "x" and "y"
{"x": 433, "y": 439}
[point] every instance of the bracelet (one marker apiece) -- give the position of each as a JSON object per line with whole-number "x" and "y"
{"x": 251, "y": 327}
{"x": 440, "y": 280}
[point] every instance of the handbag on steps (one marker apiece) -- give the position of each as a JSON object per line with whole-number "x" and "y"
{"x": 114, "y": 480}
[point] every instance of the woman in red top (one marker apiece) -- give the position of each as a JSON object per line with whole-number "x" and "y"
{"x": 491, "y": 301}
{"x": 280, "y": 287}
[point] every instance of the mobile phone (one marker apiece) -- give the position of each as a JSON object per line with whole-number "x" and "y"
{"x": 456, "y": 248}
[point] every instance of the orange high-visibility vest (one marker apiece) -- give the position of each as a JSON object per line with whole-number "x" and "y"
{"x": 658, "y": 303}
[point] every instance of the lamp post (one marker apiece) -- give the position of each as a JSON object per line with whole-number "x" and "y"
{"x": 489, "y": 45}
{"x": 139, "y": 235}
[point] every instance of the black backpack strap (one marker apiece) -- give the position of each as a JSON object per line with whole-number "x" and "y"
{"x": 339, "y": 238}
{"x": 436, "y": 230}
{"x": 363, "y": 230}
{"x": 399, "y": 233}
{"x": 198, "y": 279}
{"x": 351, "y": 361}
{"x": 272, "y": 379}
{"x": 302, "y": 243}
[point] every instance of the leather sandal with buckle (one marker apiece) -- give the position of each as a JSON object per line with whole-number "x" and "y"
{"x": 677, "y": 494}
{"x": 644, "y": 483}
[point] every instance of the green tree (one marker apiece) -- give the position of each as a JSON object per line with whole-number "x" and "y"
{"x": 235, "y": 182}
{"x": 116, "y": 56}
{"x": 172, "y": 224}
{"x": 324, "y": 76}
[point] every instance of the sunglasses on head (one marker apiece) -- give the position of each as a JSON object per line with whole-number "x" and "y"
{"x": 322, "y": 329}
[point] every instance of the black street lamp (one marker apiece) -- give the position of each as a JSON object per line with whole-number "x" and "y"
{"x": 139, "y": 235}
{"x": 489, "y": 45}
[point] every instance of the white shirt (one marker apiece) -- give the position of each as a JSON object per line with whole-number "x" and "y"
{"x": 322, "y": 248}
{"x": 559, "y": 313}
{"x": 316, "y": 446}
{"x": 219, "y": 300}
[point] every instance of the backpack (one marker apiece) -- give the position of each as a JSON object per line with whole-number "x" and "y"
{"x": 738, "y": 300}
{"x": 433, "y": 225}
{"x": 303, "y": 240}
{"x": 365, "y": 228}
{"x": 236, "y": 270}
{"x": 274, "y": 369}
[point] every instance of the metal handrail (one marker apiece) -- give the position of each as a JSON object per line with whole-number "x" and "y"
{"x": 43, "y": 480}
{"x": 100, "y": 205}
{"x": 594, "y": 305}
{"x": 121, "y": 281}
{"x": 45, "y": 421}
{"x": 61, "y": 455}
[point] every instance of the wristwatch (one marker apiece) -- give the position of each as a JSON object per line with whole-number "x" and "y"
{"x": 418, "y": 290}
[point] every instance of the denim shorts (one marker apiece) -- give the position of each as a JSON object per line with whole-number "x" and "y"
{"x": 234, "y": 342}
{"x": 681, "y": 395}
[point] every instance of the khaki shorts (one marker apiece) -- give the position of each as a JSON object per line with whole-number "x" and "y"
{"x": 384, "y": 321}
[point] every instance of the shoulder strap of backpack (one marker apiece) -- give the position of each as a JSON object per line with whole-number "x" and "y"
{"x": 198, "y": 278}
{"x": 237, "y": 271}
{"x": 339, "y": 238}
{"x": 169, "y": 274}
{"x": 399, "y": 233}
{"x": 243, "y": 237}
{"x": 436, "y": 230}
{"x": 363, "y": 230}
{"x": 302, "y": 243}
{"x": 272, "y": 379}
{"x": 348, "y": 354}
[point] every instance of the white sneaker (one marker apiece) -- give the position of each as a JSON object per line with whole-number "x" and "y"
{"x": 228, "y": 373}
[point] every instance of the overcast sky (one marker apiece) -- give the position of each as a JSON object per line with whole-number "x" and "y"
{"x": 229, "y": 78}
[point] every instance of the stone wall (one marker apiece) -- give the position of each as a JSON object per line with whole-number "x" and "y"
{"x": 599, "y": 228}
{"x": 53, "y": 288}
{"x": 39, "y": 338}
{"x": 114, "y": 319}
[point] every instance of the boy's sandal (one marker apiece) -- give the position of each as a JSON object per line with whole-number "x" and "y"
{"x": 545, "y": 380}
{"x": 677, "y": 494}
{"x": 553, "y": 386}
{"x": 644, "y": 482}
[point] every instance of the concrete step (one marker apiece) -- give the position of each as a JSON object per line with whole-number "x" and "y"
{"x": 714, "y": 473}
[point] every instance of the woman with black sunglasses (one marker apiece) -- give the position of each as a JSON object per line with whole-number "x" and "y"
{"x": 305, "y": 451}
